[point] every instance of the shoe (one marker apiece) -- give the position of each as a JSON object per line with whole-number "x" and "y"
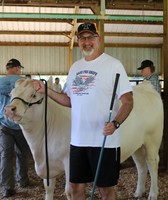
{"x": 23, "y": 184}
{"x": 7, "y": 193}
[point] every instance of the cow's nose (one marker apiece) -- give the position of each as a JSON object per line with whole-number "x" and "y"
{"x": 9, "y": 109}
{"x": 13, "y": 108}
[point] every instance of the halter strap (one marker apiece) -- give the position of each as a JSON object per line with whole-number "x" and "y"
{"x": 28, "y": 103}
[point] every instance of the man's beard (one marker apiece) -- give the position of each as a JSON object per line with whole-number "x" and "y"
{"x": 88, "y": 53}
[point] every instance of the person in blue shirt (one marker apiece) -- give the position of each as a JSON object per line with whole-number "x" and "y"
{"x": 11, "y": 137}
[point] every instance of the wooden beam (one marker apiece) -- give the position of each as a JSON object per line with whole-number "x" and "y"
{"x": 110, "y": 4}
{"x": 66, "y": 16}
{"x": 134, "y": 5}
{"x": 50, "y": 44}
{"x": 74, "y": 26}
{"x": 165, "y": 44}
{"x": 130, "y": 45}
{"x": 72, "y": 36}
{"x": 64, "y": 33}
{"x": 69, "y": 21}
{"x": 119, "y": 34}
{"x": 69, "y": 34}
{"x": 54, "y": 44}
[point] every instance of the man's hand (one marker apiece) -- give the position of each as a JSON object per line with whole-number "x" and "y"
{"x": 109, "y": 128}
{"x": 39, "y": 86}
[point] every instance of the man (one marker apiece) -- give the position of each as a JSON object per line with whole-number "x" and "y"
{"x": 28, "y": 76}
{"x": 148, "y": 72}
{"x": 11, "y": 137}
{"x": 89, "y": 91}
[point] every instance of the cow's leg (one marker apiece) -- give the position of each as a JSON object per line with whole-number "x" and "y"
{"x": 49, "y": 190}
{"x": 139, "y": 159}
{"x": 152, "y": 162}
{"x": 67, "y": 185}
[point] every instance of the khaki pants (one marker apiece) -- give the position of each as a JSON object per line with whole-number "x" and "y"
{"x": 13, "y": 145}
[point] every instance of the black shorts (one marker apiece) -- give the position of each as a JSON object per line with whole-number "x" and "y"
{"x": 83, "y": 165}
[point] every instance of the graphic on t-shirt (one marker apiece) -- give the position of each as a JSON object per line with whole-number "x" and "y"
{"x": 84, "y": 81}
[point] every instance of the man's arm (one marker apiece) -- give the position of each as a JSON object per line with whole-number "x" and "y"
{"x": 126, "y": 107}
{"x": 60, "y": 98}
{"x": 124, "y": 111}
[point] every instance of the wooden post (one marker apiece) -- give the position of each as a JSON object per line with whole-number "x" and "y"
{"x": 102, "y": 9}
{"x": 101, "y": 32}
{"x": 165, "y": 45}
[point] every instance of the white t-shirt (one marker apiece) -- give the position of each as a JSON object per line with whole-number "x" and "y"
{"x": 57, "y": 87}
{"x": 90, "y": 87}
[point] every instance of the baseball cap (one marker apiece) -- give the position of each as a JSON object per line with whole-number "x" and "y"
{"x": 145, "y": 63}
{"x": 87, "y": 27}
{"x": 13, "y": 63}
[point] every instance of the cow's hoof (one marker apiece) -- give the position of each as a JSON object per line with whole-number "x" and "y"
{"x": 153, "y": 195}
{"x": 152, "y": 198}
{"x": 137, "y": 195}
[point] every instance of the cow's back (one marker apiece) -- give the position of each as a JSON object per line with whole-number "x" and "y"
{"x": 145, "y": 123}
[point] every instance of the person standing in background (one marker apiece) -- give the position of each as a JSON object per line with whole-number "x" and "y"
{"x": 148, "y": 72}
{"x": 28, "y": 76}
{"x": 11, "y": 137}
{"x": 57, "y": 86}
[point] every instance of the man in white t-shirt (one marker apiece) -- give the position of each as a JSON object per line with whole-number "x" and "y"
{"x": 89, "y": 90}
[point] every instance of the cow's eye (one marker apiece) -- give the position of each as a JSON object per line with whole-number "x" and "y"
{"x": 33, "y": 96}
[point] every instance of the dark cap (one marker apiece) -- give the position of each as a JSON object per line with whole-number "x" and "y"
{"x": 145, "y": 63}
{"x": 13, "y": 63}
{"x": 87, "y": 27}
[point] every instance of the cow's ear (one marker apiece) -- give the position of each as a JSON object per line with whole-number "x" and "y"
{"x": 36, "y": 85}
{"x": 19, "y": 81}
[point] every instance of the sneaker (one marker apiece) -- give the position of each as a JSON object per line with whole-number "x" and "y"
{"x": 23, "y": 184}
{"x": 7, "y": 193}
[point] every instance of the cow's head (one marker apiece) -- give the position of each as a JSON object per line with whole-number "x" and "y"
{"x": 25, "y": 101}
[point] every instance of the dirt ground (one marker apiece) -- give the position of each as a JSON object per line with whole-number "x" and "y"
{"x": 125, "y": 187}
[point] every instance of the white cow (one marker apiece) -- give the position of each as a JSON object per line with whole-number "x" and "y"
{"x": 141, "y": 133}
{"x": 141, "y": 136}
{"x": 27, "y": 109}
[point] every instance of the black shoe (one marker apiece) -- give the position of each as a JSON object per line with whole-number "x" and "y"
{"x": 7, "y": 193}
{"x": 23, "y": 184}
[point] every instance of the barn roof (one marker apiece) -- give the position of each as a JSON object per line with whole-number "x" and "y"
{"x": 53, "y": 22}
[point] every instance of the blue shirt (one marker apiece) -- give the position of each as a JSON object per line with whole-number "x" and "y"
{"x": 7, "y": 83}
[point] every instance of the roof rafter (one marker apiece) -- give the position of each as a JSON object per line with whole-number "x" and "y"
{"x": 50, "y": 16}
{"x": 54, "y": 44}
{"x": 67, "y": 33}
{"x": 92, "y": 4}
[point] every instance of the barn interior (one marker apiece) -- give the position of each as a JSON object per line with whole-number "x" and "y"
{"x": 130, "y": 27}
{"x": 42, "y": 33}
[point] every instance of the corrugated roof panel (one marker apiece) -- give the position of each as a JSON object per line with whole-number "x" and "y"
{"x": 34, "y": 38}
{"x": 56, "y": 10}
{"x": 141, "y": 28}
{"x": 26, "y": 9}
{"x": 133, "y": 40}
{"x": 34, "y": 26}
{"x": 18, "y": 9}
{"x": 45, "y": 60}
{"x": 133, "y": 12}
{"x": 19, "y": 26}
